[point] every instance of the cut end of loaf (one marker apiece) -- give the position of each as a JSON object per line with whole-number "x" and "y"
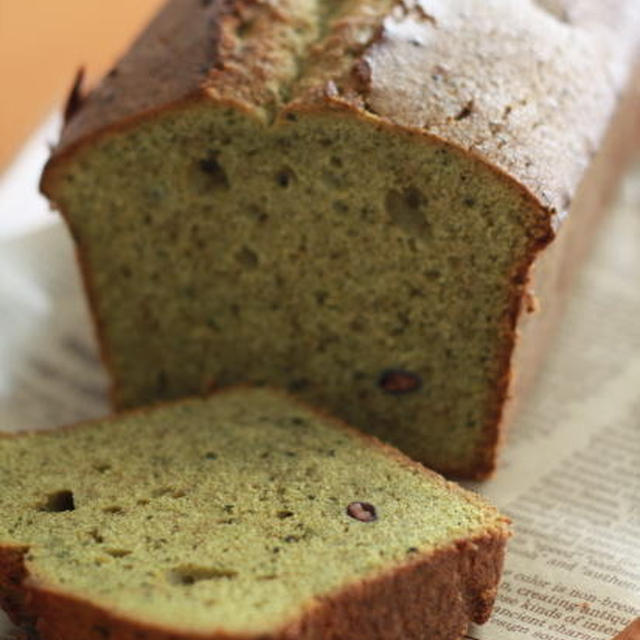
{"x": 371, "y": 271}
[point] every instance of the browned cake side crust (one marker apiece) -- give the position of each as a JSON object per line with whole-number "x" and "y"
{"x": 438, "y": 595}
{"x": 537, "y": 119}
{"x": 556, "y": 268}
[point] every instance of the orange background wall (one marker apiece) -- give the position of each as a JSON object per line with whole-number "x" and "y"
{"x": 42, "y": 44}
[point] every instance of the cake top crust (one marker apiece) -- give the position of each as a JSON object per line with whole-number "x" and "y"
{"x": 528, "y": 87}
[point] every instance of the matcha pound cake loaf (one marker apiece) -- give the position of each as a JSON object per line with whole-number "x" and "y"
{"x": 344, "y": 199}
{"x": 242, "y": 516}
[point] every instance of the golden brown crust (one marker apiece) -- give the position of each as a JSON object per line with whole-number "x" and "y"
{"x": 76, "y": 96}
{"x": 632, "y": 632}
{"x": 12, "y": 576}
{"x": 166, "y": 64}
{"x": 434, "y": 594}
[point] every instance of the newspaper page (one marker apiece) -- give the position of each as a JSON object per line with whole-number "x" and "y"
{"x": 570, "y": 473}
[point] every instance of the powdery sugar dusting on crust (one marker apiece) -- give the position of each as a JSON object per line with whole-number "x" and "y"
{"x": 429, "y": 71}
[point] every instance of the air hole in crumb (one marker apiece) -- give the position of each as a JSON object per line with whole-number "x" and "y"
{"x": 362, "y": 511}
{"x": 190, "y": 574}
{"x": 245, "y": 28}
{"x": 163, "y": 491}
{"x": 161, "y": 383}
{"x": 58, "y": 501}
{"x": 285, "y": 514}
{"x": 215, "y": 177}
{"x": 101, "y": 631}
{"x": 95, "y": 534}
{"x": 399, "y": 381}
{"x": 407, "y": 210}
{"x": 210, "y": 455}
{"x": 247, "y": 258}
{"x": 118, "y": 553}
{"x": 358, "y": 324}
{"x": 432, "y": 274}
{"x": 102, "y": 467}
{"x": 339, "y": 206}
{"x": 114, "y": 509}
{"x": 285, "y": 177}
{"x": 299, "y": 384}
{"x": 257, "y": 213}
{"x": 321, "y": 297}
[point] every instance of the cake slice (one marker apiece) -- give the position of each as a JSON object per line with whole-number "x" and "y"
{"x": 242, "y": 516}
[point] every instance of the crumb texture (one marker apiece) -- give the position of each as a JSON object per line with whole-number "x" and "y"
{"x": 230, "y": 514}
{"x": 266, "y": 254}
